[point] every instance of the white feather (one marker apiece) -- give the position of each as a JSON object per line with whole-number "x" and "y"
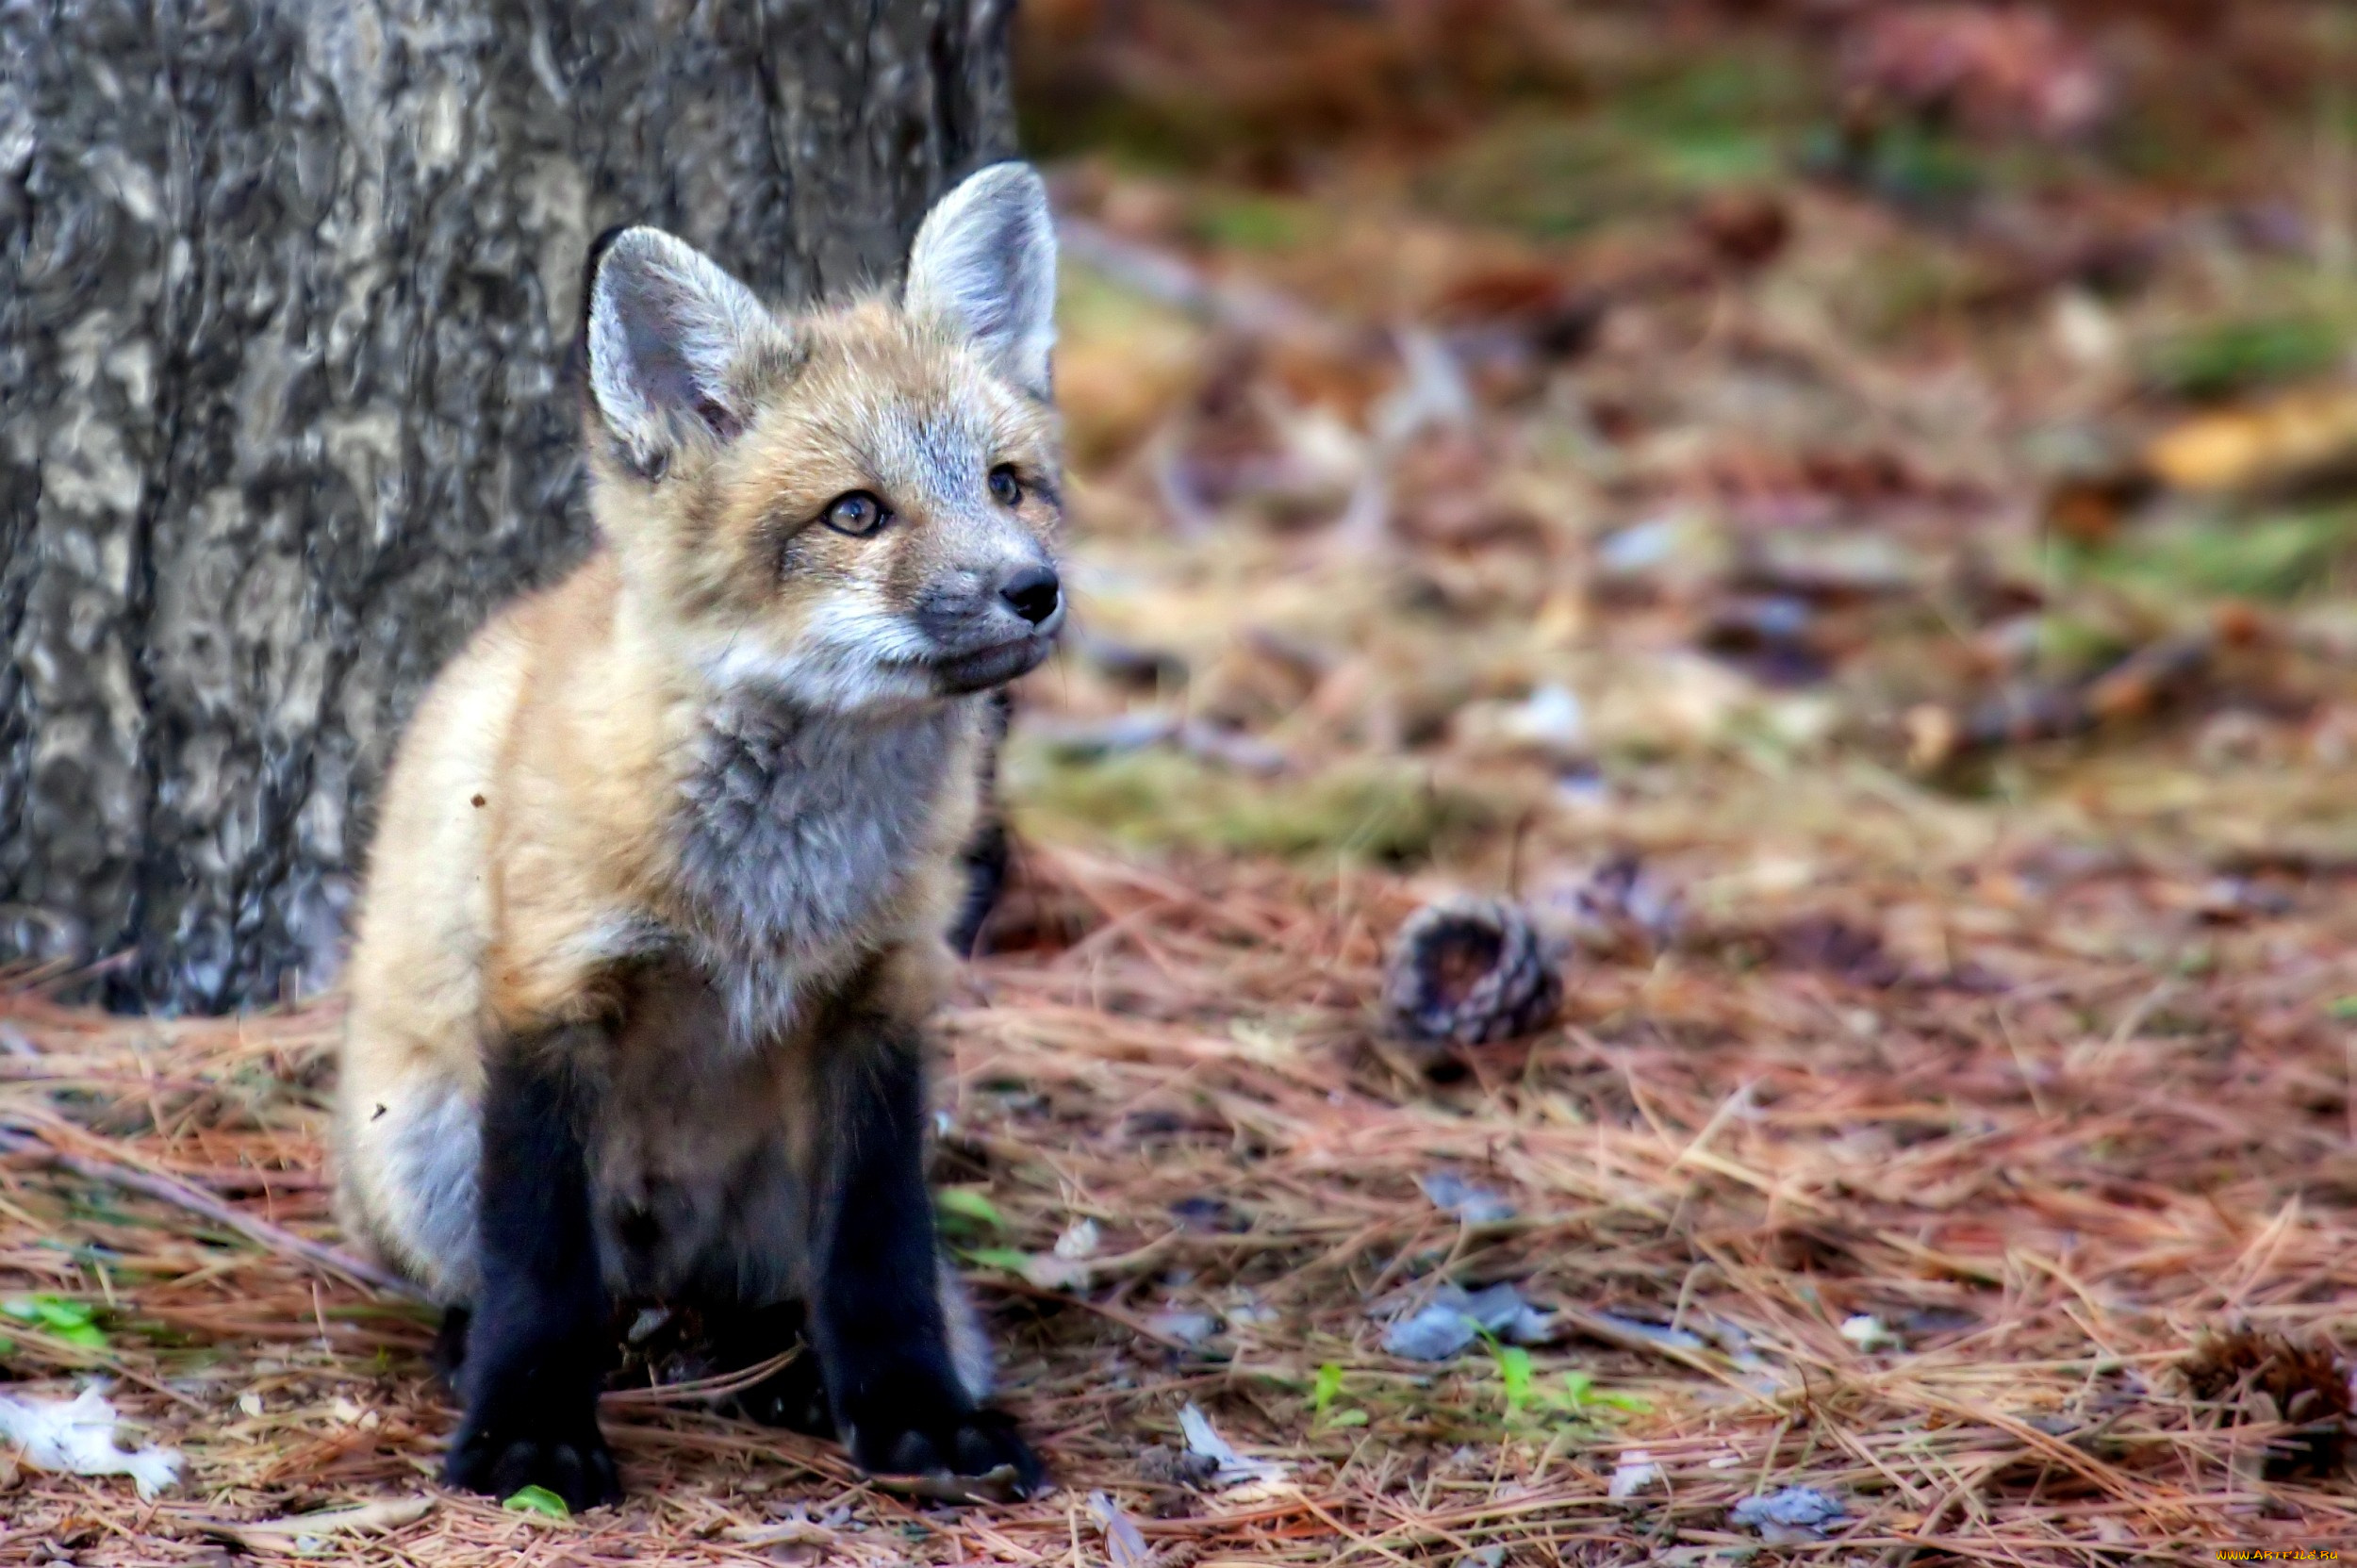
{"x": 77, "y": 1436}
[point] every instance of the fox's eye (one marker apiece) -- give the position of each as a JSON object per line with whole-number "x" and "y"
{"x": 1005, "y": 487}
{"x": 857, "y": 514}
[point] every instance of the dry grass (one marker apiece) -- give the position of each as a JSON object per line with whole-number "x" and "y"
{"x": 2047, "y": 1193}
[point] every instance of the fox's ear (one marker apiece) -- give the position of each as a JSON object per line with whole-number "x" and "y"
{"x": 665, "y": 326}
{"x": 985, "y": 263}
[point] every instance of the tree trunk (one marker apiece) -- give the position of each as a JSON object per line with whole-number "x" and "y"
{"x": 288, "y": 290}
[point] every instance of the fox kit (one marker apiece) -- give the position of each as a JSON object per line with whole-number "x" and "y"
{"x": 657, "y": 902}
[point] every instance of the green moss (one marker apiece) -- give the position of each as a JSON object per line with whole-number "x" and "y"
{"x": 1708, "y": 96}
{"x": 1088, "y": 304}
{"x": 1912, "y": 164}
{"x": 2069, "y": 646}
{"x": 1252, "y": 223}
{"x": 1650, "y": 145}
{"x": 1724, "y": 119}
{"x": 2277, "y": 556}
{"x": 2223, "y": 357}
{"x": 1544, "y": 176}
{"x": 1554, "y": 178}
{"x": 1721, "y": 156}
{"x": 1387, "y": 813}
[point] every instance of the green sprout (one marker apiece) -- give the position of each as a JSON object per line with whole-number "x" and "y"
{"x": 74, "y": 1322}
{"x": 967, "y": 1209}
{"x": 539, "y": 1500}
{"x": 1577, "y": 1400}
{"x": 1323, "y": 1393}
{"x": 1514, "y": 1374}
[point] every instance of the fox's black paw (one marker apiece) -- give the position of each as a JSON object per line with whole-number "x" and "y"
{"x": 955, "y": 1454}
{"x": 502, "y": 1457}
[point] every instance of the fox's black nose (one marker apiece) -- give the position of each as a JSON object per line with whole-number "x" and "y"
{"x": 1033, "y": 593}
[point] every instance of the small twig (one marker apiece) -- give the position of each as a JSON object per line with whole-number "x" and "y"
{"x": 23, "y": 1136}
{"x": 703, "y": 1389}
{"x": 278, "y": 1535}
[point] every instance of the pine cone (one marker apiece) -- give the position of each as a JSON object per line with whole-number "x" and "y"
{"x": 1465, "y": 971}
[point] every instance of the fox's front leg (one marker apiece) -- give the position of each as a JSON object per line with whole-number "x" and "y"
{"x": 537, "y": 1344}
{"x": 876, "y": 1315}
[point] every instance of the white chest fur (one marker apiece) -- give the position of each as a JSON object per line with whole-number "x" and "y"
{"x": 796, "y": 830}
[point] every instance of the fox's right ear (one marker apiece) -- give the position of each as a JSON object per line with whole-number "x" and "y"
{"x": 666, "y": 326}
{"x": 985, "y": 263}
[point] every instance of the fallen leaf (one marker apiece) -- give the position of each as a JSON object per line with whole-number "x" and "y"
{"x": 1231, "y": 1468}
{"x": 1795, "y": 1513}
{"x": 2298, "y": 436}
{"x": 364, "y": 1519}
{"x": 1125, "y": 1545}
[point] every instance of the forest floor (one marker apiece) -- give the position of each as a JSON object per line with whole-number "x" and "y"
{"x": 1849, "y": 524}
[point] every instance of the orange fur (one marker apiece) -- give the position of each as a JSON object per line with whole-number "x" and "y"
{"x": 529, "y": 844}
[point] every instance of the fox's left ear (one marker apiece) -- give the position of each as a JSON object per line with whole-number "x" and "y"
{"x": 666, "y": 326}
{"x": 985, "y": 263}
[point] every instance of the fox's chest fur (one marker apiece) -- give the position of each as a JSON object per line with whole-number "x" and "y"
{"x": 795, "y": 832}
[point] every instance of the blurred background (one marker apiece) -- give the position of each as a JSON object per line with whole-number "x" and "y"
{"x": 1830, "y": 522}
{"x": 1504, "y": 413}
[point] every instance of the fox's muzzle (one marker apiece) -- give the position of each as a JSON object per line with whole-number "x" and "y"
{"x": 993, "y": 626}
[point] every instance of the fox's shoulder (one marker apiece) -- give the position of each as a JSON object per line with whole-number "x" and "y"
{"x": 467, "y": 726}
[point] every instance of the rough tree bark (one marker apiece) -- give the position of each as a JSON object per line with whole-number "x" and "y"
{"x": 287, "y": 292}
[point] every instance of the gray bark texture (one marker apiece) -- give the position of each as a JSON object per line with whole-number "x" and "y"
{"x": 288, "y": 292}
